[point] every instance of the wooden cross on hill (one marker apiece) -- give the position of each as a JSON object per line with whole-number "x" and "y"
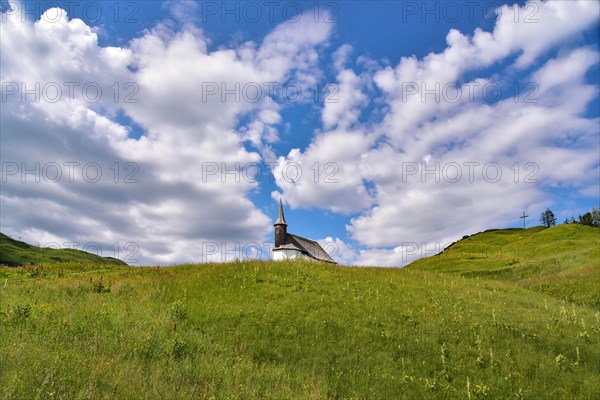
{"x": 523, "y": 217}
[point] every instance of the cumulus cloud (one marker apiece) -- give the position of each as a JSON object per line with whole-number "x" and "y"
{"x": 343, "y": 108}
{"x": 340, "y": 251}
{"x": 326, "y": 173}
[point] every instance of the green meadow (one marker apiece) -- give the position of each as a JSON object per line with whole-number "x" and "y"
{"x": 504, "y": 314}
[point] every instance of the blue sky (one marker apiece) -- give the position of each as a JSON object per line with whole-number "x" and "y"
{"x": 412, "y": 123}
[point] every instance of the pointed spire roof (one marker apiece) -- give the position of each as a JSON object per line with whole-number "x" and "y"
{"x": 280, "y": 217}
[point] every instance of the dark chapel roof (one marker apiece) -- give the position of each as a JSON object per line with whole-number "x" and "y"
{"x": 309, "y": 247}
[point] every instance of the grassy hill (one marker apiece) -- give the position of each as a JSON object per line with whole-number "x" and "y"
{"x": 14, "y": 252}
{"x": 460, "y": 327}
{"x": 563, "y": 261}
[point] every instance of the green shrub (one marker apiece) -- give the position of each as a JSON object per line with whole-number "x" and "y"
{"x": 178, "y": 310}
{"x": 178, "y": 348}
{"x": 100, "y": 287}
{"x": 21, "y": 311}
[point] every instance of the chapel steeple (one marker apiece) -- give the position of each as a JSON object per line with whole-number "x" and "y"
{"x": 280, "y": 227}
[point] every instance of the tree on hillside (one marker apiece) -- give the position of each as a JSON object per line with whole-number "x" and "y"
{"x": 586, "y": 219}
{"x": 547, "y": 218}
{"x": 589, "y": 218}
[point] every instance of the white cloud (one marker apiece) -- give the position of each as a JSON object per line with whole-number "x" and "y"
{"x": 343, "y": 104}
{"x": 541, "y": 26}
{"x": 337, "y": 249}
{"x": 326, "y": 173}
{"x": 341, "y": 56}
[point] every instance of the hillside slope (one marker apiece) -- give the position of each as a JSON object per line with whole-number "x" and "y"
{"x": 563, "y": 260}
{"x": 14, "y": 253}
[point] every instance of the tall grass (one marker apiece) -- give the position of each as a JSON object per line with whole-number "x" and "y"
{"x": 255, "y": 330}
